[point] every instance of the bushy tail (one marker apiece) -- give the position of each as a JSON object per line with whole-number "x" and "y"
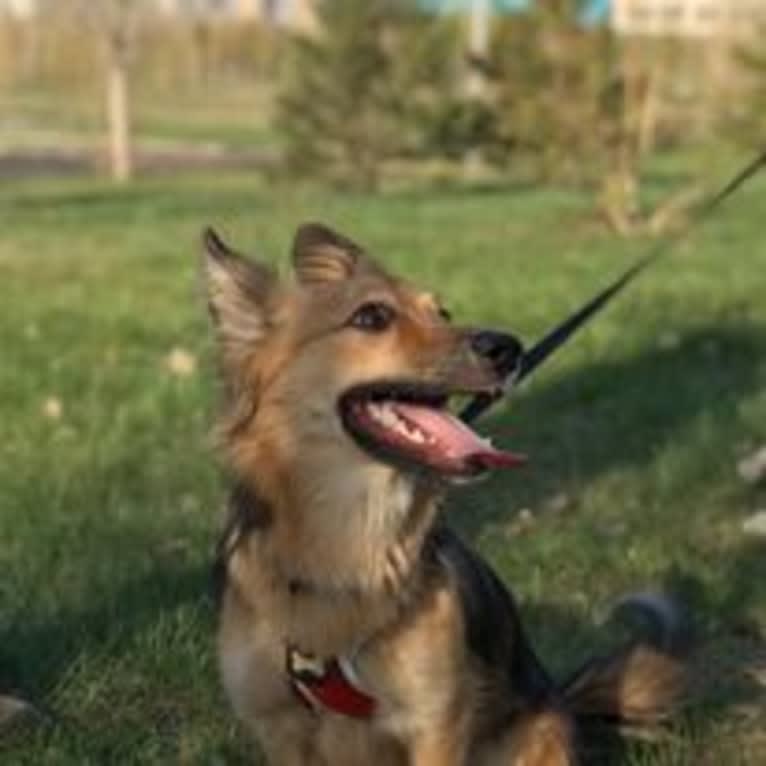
{"x": 642, "y": 683}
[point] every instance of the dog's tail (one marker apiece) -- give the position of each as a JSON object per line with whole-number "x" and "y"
{"x": 643, "y": 682}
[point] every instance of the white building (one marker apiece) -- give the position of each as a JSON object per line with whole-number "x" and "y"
{"x": 21, "y": 8}
{"x": 291, "y": 13}
{"x": 282, "y": 12}
{"x": 689, "y": 18}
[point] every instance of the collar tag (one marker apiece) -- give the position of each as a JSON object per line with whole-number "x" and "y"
{"x": 325, "y": 686}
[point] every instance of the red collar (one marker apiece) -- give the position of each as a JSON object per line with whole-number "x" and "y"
{"x": 324, "y": 685}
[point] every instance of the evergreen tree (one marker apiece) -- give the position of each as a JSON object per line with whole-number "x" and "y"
{"x": 366, "y": 88}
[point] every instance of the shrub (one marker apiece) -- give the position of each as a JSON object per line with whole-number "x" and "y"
{"x": 555, "y": 95}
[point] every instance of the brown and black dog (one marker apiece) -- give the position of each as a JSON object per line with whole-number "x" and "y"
{"x": 356, "y": 628}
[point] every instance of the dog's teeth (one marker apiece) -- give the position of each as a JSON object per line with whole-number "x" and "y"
{"x": 412, "y": 432}
{"x": 417, "y": 437}
{"x": 385, "y": 414}
{"x": 389, "y": 418}
{"x": 378, "y": 412}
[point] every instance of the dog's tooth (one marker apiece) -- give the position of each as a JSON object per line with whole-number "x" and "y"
{"x": 385, "y": 413}
{"x": 412, "y": 432}
{"x": 377, "y": 412}
{"x": 388, "y": 417}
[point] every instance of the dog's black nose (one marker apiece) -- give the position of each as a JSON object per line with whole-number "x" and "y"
{"x": 502, "y": 350}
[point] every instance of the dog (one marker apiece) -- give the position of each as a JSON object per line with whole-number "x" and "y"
{"x": 355, "y": 627}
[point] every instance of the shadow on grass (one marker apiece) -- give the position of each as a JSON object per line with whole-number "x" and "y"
{"x": 729, "y": 665}
{"x": 726, "y": 650}
{"x": 609, "y": 415}
{"x": 35, "y": 655}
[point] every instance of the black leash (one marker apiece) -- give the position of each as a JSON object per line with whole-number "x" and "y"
{"x": 559, "y": 335}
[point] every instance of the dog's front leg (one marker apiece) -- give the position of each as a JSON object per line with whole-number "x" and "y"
{"x": 543, "y": 738}
{"x": 286, "y": 740}
{"x": 438, "y": 750}
{"x": 443, "y": 744}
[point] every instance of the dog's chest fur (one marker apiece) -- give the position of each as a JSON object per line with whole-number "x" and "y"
{"x": 391, "y": 633}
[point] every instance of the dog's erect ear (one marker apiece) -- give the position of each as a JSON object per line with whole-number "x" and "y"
{"x": 322, "y": 255}
{"x": 238, "y": 292}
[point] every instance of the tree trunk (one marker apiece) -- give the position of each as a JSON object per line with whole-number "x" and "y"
{"x": 478, "y": 45}
{"x": 30, "y": 67}
{"x": 118, "y": 114}
{"x": 201, "y": 50}
{"x": 650, "y": 103}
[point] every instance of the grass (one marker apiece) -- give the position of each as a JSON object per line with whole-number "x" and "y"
{"x": 110, "y": 502}
{"x": 225, "y": 114}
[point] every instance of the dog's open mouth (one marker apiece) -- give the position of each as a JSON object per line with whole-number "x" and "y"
{"x": 411, "y": 424}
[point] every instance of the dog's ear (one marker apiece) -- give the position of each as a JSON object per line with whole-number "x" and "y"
{"x": 322, "y": 255}
{"x": 238, "y": 293}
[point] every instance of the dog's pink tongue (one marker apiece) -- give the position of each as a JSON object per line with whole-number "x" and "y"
{"x": 457, "y": 440}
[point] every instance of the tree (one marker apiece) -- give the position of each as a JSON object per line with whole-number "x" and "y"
{"x": 554, "y": 90}
{"x": 366, "y": 88}
{"x": 577, "y": 105}
{"x": 117, "y": 25}
{"x": 118, "y": 22}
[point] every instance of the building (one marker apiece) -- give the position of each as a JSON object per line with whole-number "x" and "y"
{"x": 287, "y": 13}
{"x": 689, "y": 18}
{"x": 593, "y": 11}
{"x": 656, "y": 18}
{"x": 19, "y": 8}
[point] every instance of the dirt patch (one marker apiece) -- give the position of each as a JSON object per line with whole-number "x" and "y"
{"x": 22, "y": 163}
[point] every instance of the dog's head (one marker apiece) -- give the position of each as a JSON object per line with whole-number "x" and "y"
{"x": 347, "y": 365}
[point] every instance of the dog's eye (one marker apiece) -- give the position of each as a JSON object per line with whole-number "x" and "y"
{"x": 373, "y": 317}
{"x": 445, "y": 314}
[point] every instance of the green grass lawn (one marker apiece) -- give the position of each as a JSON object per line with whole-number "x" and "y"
{"x": 233, "y": 117}
{"x": 110, "y": 495}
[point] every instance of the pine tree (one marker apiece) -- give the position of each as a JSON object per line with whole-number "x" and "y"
{"x": 366, "y": 88}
